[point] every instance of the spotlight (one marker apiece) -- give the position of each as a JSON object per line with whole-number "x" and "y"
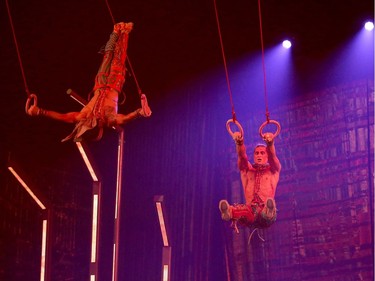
{"x": 369, "y": 25}
{"x": 287, "y": 44}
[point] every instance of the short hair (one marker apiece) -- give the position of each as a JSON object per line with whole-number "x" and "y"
{"x": 259, "y": 145}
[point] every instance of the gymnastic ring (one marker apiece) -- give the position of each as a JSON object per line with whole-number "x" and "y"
{"x": 238, "y": 126}
{"x": 270, "y": 122}
{"x": 35, "y": 101}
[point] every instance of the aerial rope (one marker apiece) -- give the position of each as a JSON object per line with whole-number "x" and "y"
{"x": 17, "y": 49}
{"x": 224, "y": 62}
{"x": 30, "y": 96}
{"x": 263, "y": 61}
{"x": 268, "y": 121}
{"x": 234, "y": 119}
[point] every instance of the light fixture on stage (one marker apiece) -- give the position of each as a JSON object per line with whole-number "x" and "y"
{"x": 369, "y": 25}
{"x": 167, "y": 250}
{"x": 287, "y": 44}
{"x": 44, "y": 259}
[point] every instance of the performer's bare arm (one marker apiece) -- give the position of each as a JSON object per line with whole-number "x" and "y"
{"x": 271, "y": 151}
{"x": 70, "y": 117}
{"x": 243, "y": 161}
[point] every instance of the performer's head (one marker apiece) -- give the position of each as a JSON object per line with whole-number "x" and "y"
{"x": 260, "y": 154}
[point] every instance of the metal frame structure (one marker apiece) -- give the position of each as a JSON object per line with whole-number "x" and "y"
{"x": 96, "y": 197}
{"x": 45, "y": 255}
{"x": 96, "y": 200}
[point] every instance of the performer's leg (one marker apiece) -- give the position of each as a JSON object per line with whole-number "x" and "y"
{"x": 116, "y": 76}
{"x": 104, "y": 69}
{"x": 122, "y": 119}
{"x": 240, "y": 212}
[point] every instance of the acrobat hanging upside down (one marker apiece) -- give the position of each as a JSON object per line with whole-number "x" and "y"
{"x": 259, "y": 181}
{"x": 101, "y": 110}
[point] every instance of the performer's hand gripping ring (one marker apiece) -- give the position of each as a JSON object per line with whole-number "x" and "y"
{"x": 29, "y": 99}
{"x": 238, "y": 126}
{"x": 278, "y": 129}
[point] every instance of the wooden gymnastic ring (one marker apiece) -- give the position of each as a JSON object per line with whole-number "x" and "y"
{"x": 270, "y": 122}
{"x": 31, "y": 97}
{"x": 238, "y": 126}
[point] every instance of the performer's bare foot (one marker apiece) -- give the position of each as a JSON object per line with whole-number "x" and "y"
{"x": 146, "y": 110}
{"x": 127, "y": 27}
{"x": 122, "y": 27}
{"x": 270, "y": 209}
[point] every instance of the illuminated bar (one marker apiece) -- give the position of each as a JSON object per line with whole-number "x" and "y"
{"x": 166, "y": 263}
{"x": 44, "y": 250}
{"x": 162, "y": 224}
{"x": 167, "y": 250}
{"x": 116, "y": 238}
{"x": 27, "y": 188}
{"x": 85, "y": 157}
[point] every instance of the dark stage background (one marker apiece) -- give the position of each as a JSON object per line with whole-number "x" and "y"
{"x": 322, "y": 93}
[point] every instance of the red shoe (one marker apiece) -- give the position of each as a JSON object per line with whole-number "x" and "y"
{"x": 224, "y": 208}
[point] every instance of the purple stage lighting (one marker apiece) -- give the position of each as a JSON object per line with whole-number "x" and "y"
{"x": 369, "y": 25}
{"x": 287, "y": 44}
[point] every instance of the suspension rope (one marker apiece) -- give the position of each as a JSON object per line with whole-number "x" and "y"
{"x": 110, "y": 12}
{"x": 225, "y": 62}
{"x": 127, "y": 57}
{"x": 17, "y": 49}
{"x": 263, "y": 63}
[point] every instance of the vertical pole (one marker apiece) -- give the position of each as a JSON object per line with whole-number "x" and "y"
{"x": 167, "y": 249}
{"x": 166, "y": 263}
{"x": 95, "y": 227}
{"x": 116, "y": 240}
{"x": 96, "y": 203}
{"x": 46, "y": 245}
